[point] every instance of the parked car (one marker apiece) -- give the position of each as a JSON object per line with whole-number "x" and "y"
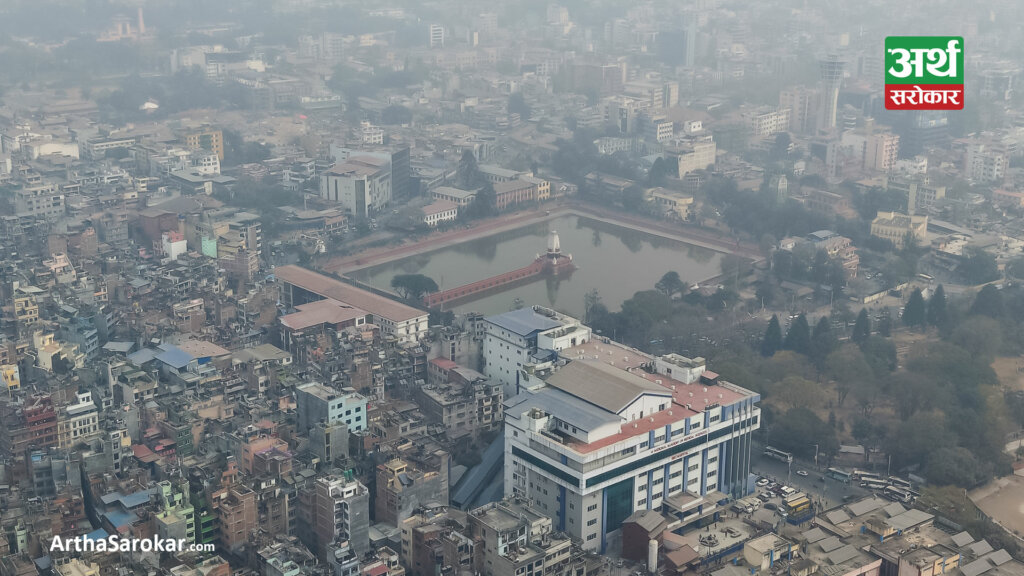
{"x": 762, "y": 482}
{"x": 769, "y": 506}
{"x": 801, "y": 472}
{"x": 764, "y": 496}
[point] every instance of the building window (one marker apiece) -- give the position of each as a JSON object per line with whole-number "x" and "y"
{"x": 713, "y": 473}
{"x": 643, "y": 444}
{"x": 641, "y": 488}
{"x": 592, "y": 537}
{"x": 658, "y": 481}
{"x": 693, "y": 467}
{"x": 713, "y": 459}
{"x": 641, "y": 502}
{"x": 591, "y": 522}
{"x": 715, "y": 419}
{"x": 592, "y": 507}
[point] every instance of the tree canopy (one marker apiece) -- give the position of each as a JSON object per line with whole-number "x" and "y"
{"x": 413, "y": 286}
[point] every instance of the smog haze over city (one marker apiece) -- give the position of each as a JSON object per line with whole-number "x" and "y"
{"x": 511, "y": 288}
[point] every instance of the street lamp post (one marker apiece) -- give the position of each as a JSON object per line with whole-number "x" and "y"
{"x": 815, "y": 456}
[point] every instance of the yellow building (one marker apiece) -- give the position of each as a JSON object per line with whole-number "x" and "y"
{"x": 11, "y": 377}
{"x": 543, "y": 187}
{"x": 894, "y": 226}
{"x": 206, "y": 139}
{"x": 77, "y": 567}
{"x": 675, "y": 204}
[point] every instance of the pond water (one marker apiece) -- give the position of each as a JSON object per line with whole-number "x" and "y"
{"x": 617, "y": 261}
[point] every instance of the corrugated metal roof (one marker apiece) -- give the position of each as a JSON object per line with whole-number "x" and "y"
{"x": 979, "y": 566}
{"x": 523, "y": 322}
{"x": 962, "y": 539}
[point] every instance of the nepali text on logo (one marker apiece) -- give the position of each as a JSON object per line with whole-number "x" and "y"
{"x": 924, "y": 73}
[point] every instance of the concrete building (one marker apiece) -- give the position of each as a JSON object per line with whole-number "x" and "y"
{"x": 920, "y": 193}
{"x": 300, "y": 286}
{"x": 520, "y": 337}
{"x": 205, "y": 139}
{"x": 881, "y": 151}
{"x": 237, "y": 516}
{"x": 694, "y": 156}
{"x": 440, "y": 211}
{"x": 320, "y": 403}
{"x": 895, "y": 227}
{"x": 44, "y": 201}
{"x": 402, "y": 487}
{"x": 595, "y": 436}
{"x": 674, "y": 204}
{"x": 436, "y": 35}
{"x": 78, "y": 421}
{"x": 456, "y": 196}
{"x": 985, "y": 162}
{"x": 361, "y": 185}
{"x": 173, "y": 244}
{"x": 803, "y": 104}
{"x": 513, "y": 193}
{"x": 335, "y": 509}
{"x": 517, "y": 540}
{"x": 462, "y": 400}
{"x": 768, "y": 122}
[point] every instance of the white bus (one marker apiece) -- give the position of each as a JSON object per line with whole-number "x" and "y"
{"x": 865, "y": 476}
{"x": 874, "y": 484}
{"x": 897, "y": 494}
{"x": 900, "y": 483}
{"x": 778, "y": 454}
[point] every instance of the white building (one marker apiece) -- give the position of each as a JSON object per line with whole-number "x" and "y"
{"x": 78, "y": 421}
{"x": 174, "y": 244}
{"x": 42, "y": 201}
{"x": 436, "y": 32}
{"x": 596, "y": 436}
{"x": 526, "y": 336}
{"x": 317, "y": 402}
{"x": 440, "y": 211}
{"x": 361, "y": 185}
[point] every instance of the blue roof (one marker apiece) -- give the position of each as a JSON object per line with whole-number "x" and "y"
{"x": 523, "y": 322}
{"x": 98, "y": 534}
{"x": 128, "y": 502}
{"x": 118, "y": 519}
{"x": 173, "y": 356}
{"x": 141, "y": 357}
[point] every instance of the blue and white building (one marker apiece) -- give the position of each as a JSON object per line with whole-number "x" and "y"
{"x": 605, "y": 430}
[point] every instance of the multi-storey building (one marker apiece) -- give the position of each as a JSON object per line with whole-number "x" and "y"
{"x": 803, "y": 104}
{"x": 236, "y": 512}
{"x": 41, "y": 201}
{"x": 517, "y": 540}
{"x": 984, "y": 162}
{"x": 317, "y": 402}
{"x": 895, "y": 227}
{"x": 205, "y": 139}
{"x": 881, "y": 151}
{"x": 605, "y": 431}
{"x": 77, "y": 422}
{"x": 524, "y": 336}
{"x": 768, "y": 122}
{"x": 300, "y": 286}
{"x": 361, "y": 185}
{"x": 402, "y": 487}
{"x": 333, "y": 510}
{"x": 921, "y": 194}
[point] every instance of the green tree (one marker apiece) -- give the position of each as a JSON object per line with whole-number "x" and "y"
{"x": 467, "y": 175}
{"x": 656, "y": 175}
{"x": 823, "y": 341}
{"x": 914, "y": 311}
{"x": 910, "y": 393}
{"x": 880, "y": 354}
{"x": 799, "y": 430}
{"x": 988, "y": 302}
{"x": 938, "y": 315}
{"x": 772, "y": 340}
{"x": 980, "y": 336}
{"x": 862, "y": 327}
{"x": 798, "y": 338}
{"x": 413, "y": 287}
{"x": 517, "y": 105}
{"x": 885, "y": 323}
{"x": 979, "y": 266}
{"x": 670, "y": 284}
{"x": 848, "y": 368}
{"x": 953, "y": 465}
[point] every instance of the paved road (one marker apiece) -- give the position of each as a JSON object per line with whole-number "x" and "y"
{"x": 830, "y": 492}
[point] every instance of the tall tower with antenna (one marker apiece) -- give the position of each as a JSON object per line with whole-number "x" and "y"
{"x": 832, "y": 80}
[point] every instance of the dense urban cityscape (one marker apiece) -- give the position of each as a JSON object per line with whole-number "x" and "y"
{"x": 511, "y": 288}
